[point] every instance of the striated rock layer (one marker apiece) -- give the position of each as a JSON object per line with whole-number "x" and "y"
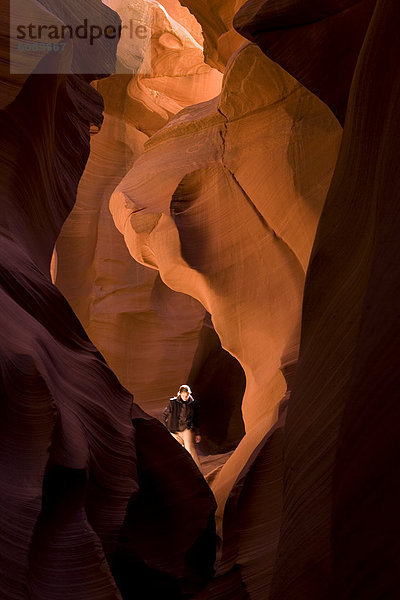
{"x": 221, "y": 40}
{"x": 316, "y": 42}
{"x": 74, "y": 468}
{"x": 224, "y": 203}
{"x": 141, "y": 326}
{"x": 339, "y": 535}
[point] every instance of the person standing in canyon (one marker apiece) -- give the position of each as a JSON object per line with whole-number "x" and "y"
{"x": 182, "y": 421}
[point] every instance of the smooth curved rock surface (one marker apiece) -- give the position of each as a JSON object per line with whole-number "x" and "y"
{"x": 316, "y": 42}
{"x": 221, "y": 40}
{"x": 234, "y": 233}
{"x": 140, "y": 325}
{"x": 69, "y": 457}
{"x": 338, "y": 538}
{"x": 48, "y": 415}
{"x": 251, "y": 524}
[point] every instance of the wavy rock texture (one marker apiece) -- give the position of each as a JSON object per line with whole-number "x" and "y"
{"x": 222, "y": 203}
{"x": 304, "y": 38}
{"x": 338, "y": 537}
{"x": 140, "y": 325}
{"x": 74, "y": 468}
{"x": 236, "y": 232}
{"x": 221, "y": 40}
{"x": 50, "y": 422}
{"x": 251, "y": 523}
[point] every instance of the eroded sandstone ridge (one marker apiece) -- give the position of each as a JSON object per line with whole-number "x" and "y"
{"x": 126, "y": 309}
{"x": 305, "y": 38}
{"x": 224, "y": 202}
{"x": 227, "y": 208}
{"x": 78, "y": 462}
{"x": 338, "y": 537}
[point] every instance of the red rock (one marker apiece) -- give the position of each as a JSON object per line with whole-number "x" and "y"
{"x": 317, "y": 42}
{"x": 126, "y": 309}
{"x": 69, "y": 457}
{"x": 339, "y": 535}
{"x": 224, "y": 202}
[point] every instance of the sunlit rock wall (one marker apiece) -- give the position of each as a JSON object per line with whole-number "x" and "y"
{"x": 224, "y": 203}
{"x": 148, "y": 333}
{"x": 77, "y": 458}
{"x": 220, "y": 205}
{"x": 221, "y": 40}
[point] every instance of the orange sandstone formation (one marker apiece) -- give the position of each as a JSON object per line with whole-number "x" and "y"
{"x": 339, "y": 536}
{"x": 219, "y": 203}
{"x": 221, "y": 40}
{"x": 75, "y": 455}
{"x": 224, "y": 203}
{"x": 317, "y": 42}
{"x": 142, "y": 327}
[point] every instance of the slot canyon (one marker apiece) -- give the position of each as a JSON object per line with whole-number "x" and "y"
{"x": 200, "y": 193}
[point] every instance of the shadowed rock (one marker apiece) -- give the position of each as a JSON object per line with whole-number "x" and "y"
{"x": 139, "y": 324}
{"x": 225, "y": 202}
{"x": 341, "y": 498}
{"x": 252, "y": 523}
{"x": 69, "y": 457}
{"x": 316, "y": 42}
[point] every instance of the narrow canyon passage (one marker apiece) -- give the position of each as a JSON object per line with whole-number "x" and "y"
{"x": 199, "y": 193}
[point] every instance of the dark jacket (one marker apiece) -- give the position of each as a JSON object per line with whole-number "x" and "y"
{"x": 172, "y": 413}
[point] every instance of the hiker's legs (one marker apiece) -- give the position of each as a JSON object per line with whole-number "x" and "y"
{"x": 188, "y": 441}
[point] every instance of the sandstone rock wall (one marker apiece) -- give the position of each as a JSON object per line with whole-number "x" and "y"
{"x": 304, "y": 39}
{"x": 71, "y": 461}
{"x": 225, "y": 202}
{"x": 221, "y": 40}
{"x": 221, "y": 199}
{"x": 148, "y": 333}
{"x": 341, "y": 454}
